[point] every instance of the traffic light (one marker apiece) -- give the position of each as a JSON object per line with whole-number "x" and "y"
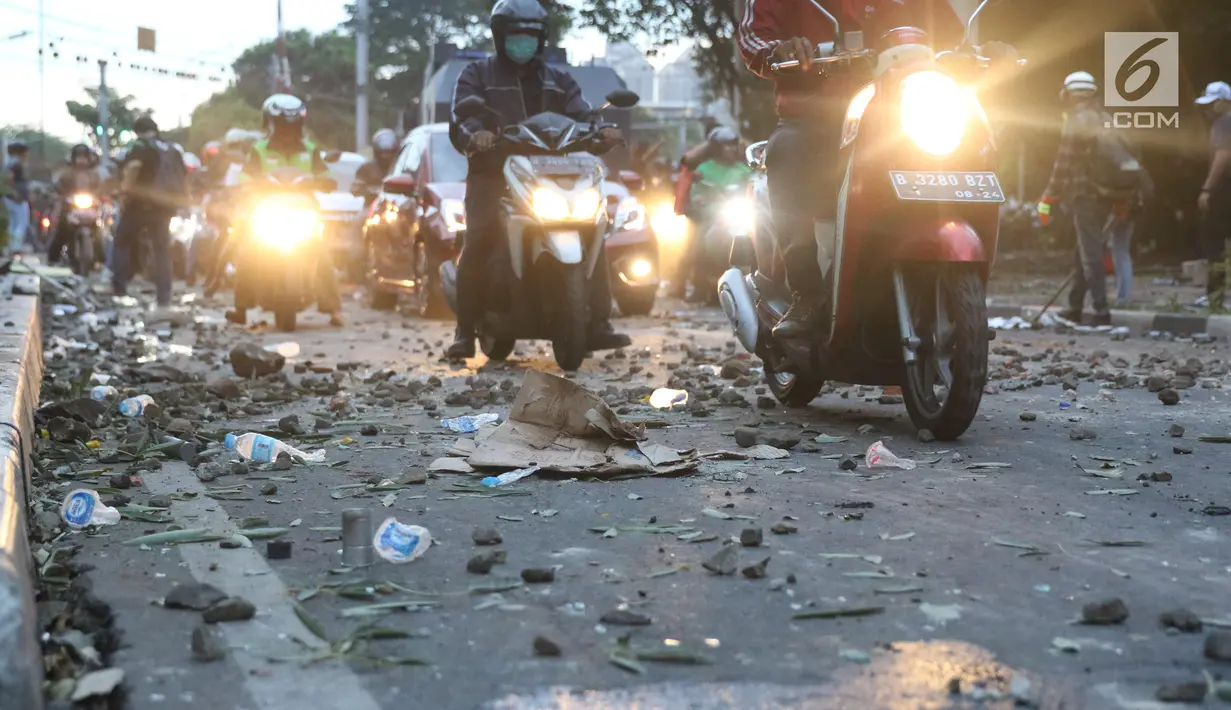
{"x": 98, "y": 130}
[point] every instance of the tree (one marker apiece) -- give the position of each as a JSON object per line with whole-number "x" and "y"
{"x": 712, "y": 24}
{"x": 121, "y": 113}
{"x": 54, "y": 147}
{"x": 219, "y": 113}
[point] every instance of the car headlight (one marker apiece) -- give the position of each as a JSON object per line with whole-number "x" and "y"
{"x": 454, "y": 213}
{"x": 634, "y": 214}
{"x": 83, "y": 201}
{"x": 935, "y": 111}
{"x": 284, "y": 227}
{"x": 739, "y": 214}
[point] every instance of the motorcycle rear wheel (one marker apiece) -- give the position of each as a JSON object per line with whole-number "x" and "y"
{"x": 948, "y": 308}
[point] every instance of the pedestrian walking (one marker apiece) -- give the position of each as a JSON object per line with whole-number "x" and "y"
{"x": 154, "y": 186}
{"x": 1215, "y": 199}
{"x": 17, "y": 197}
{"x": 1098, "y": 177}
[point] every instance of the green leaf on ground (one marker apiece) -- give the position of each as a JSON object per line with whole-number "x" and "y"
{"x": 839, "y": 613}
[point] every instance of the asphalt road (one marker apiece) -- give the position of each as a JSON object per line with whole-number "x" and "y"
{"x": 976, "y": 574}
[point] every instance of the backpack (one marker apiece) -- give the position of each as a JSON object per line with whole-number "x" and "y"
{"x": 171, "y": 180}
{"x": 1117, "y": 173}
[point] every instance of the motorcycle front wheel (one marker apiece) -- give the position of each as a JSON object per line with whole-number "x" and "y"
{"x": 83, "y": 252}
{"x": 571, "y": 317}
{"x": 944, "y": 386}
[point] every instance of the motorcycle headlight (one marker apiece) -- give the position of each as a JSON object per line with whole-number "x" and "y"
{"x": 634, "y": 214}
{"x": 454, "y": 213}
{"x": 935, "y": 111}
{"x": 641, "y": 269}
{"x": 549, "y": 205}
{"x": 283, "y": 227}
{"x": 739, "y": 214}
{"x": 83, "y": 201}
{"x": 586, "y": 205}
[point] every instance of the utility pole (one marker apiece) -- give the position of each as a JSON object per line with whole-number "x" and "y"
{"x": 104, "y": 119}
{"x": 361, "y": 76}
{"x": 284, "y": 66}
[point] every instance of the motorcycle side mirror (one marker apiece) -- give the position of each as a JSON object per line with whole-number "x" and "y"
{"x": 623, "y": 98}
{"x": 755, "y": 155}
{"x": 403, "y": 185}
{"x": 470, "y": 107}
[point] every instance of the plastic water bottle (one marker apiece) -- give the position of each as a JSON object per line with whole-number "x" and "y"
{"x": 102, "y": 393}
{"x": 135, "y": 406}
{"x": 82, "y": 508}
{"x": 470, "y": 423}
{"x": 509, "y": 477}
{"x": 400, "y": 543}
{"x": 263, "y": 449}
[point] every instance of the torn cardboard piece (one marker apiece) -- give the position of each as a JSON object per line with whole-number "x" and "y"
{"x": 561, "y": 427}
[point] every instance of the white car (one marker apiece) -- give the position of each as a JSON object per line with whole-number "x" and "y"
{"x": 342, "y": 212}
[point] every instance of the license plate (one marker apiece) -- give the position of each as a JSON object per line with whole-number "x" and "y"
{"x": 561, "y": 165}
{"x": 946, "y": 186}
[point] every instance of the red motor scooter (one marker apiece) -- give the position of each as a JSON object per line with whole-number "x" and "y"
{"x": 912, "y": 245}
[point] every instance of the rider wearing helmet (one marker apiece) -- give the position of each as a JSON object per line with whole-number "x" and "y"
{"x": 17, "y": 198}
{"x": 722, "y": 166}
{"x": 516, "y": 84}
{"x": 79, "y": 176}
{"x": 371, "y": 174}
{"x": 284, "y": 146}
{"x": 1097, "y": 212}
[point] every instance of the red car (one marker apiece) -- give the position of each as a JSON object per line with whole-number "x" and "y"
{"x": 413, "y": 231}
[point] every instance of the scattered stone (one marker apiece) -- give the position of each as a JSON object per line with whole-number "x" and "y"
{"x": 369, "y": 430}
{"x": 224, "y": 388}
{"x": 756, "y": 571}
{"x": 1181, "y": 620}
{"x": 121, "y": 481}
{"x": 1182, "y": 692}
{"x": 783, "y": 528}
{"x": 724, "y": 561}
{"x": 781, "y": 440}
{"x": 96, "y": 683}
{"x": 229, "y": 609}
{"x": 413, "y": 477}
{"x": 625, "y": 617}
{"x": 1218, "y": 646}
{"x": 180, "y": 427}
{"x": 240, "y": 468}
{"x": 751, "y": 537}
{"x": 290, "y": 425}
{"x": 766, "y": 402}
{"x": 733, "y": 369}
{"x": 1104, "y": 612}
{"x": 1176, "y": 431}
{"x": 278, "y": 550}
{"x": 254, "y": 521}
{"x": 1156, "y": 383}
{"x": 282, "y": 463}
{"x": 1169, "y": 397}
{"x": 1156, "y": 477}
{"x": 1027, "y": 416}
{"x": 208, "y": 472}
{"x": 1182, "y": 449}
{"x": 269, "y": 489}
{"x": 925, "y": 436}
{"x": 251, "y": 360}
{"x": 1081, "y": 433}
{"x": 159, "y": 502}
{"x": 193, "y": 595}
{"x": 206, "y": 645}
{"x": 483, "y": 562}
{"x": 486, "y": 536}
{"x": 538, "y": 575}
{"x": 746, "y": 436}
{"x": 545, "y": 647}
{"x": 848, "y": 463}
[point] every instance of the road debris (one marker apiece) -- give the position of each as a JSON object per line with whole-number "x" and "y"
{"x": 879, "y": 456}
{"x": 1104, "y": 612}
{"x": 400, "y": 543}
{"x": 83, "y": 508}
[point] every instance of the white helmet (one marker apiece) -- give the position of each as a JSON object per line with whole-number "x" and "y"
{"x": 283, "y": 111}
{"x": 385, "y": 140}
{"x": 722, "y": 134}
{"x": 1079, "y": 82}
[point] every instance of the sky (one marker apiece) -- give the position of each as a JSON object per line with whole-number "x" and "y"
{"x": 203, "y": 39}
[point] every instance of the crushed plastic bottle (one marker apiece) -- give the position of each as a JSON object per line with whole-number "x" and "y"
{"x": 400, "y": 543}
{"x": 469, "y": 423}
{"x": 509, "y": 477}
{"x": 664, "y": 398}
{"x": 263, "y": 449}
{"x": 102, "y": 393}
{"x": 82, "y": 508}
{"x": 881, "y": 457}
{"x": 135, "y": 406}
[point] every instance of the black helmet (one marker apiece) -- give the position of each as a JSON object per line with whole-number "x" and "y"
{"x": 18, "y": 148}
{"x": 80, "y": 149}
{"x": 145, "y": 124}
{"x": 518, "y": 16}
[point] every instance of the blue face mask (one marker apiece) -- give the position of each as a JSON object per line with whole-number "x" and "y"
{"x": 521, "y": 48}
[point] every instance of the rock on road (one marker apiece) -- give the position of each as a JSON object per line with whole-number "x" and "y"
{"x": 957, "y": 584}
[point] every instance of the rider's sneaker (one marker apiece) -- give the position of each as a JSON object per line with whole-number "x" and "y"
{"x": 603, "y": 337}
{"x": 462, "y": 347}
{"x": 800, "y": 320}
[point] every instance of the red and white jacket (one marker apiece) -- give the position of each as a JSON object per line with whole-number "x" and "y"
{"x": 767, "y": 23}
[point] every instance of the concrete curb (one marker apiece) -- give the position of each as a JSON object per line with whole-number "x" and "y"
{"x": 1139, "y": 322}
{"x": 21, "y": 375}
